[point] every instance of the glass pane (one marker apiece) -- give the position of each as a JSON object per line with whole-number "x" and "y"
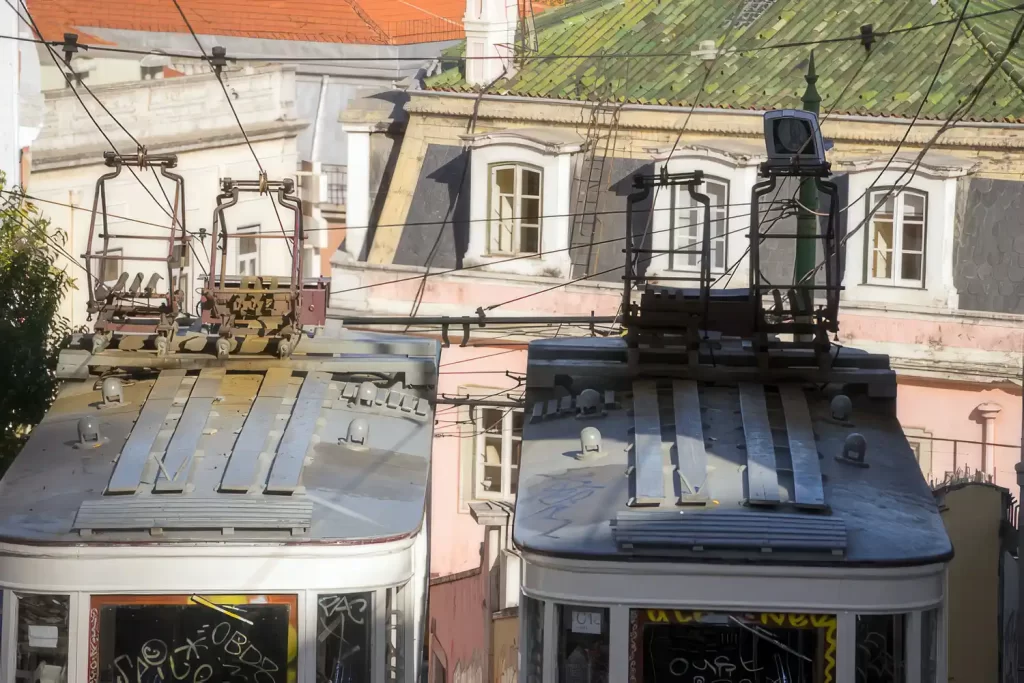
{"x": 583, "y": 644}
{"x": 492, "y": 418}
{"x": 929, "y": 646}
{"x": 912, "y": 267}
{"x": 111, "y": 267}
{"x": 192, "y": 637}
{"x": 42, "y": 638}
{"x": 529, "y": 211}
{"x": 913, "y": 205}
{"x": 883, "y": 235}
{"x": 881, "y": 265}
{"x": 718, "y": 193}
{"x": 505, "y": 179}
{"x": 517, "y": 451}
{"x": 880, "y": 650}
{"x": 913, "y": 236}
{"x": 247, "y": 245}
{"x": 344, "y": 625}
{"x": 529, "y": 239}
{"x": 531, "y": 183}
{"x": 533, "y": 651}
{"x": 517, "y": 423}
{"x": 887, "y": 208}
{"x": 491, "y": 474}
{"x": 718, "y": 254}
{"x": 682, "y": 645}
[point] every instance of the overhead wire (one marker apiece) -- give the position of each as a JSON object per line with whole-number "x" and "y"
{"x": 958, "y": 114}
{"x": 538, "y": 56}
{"x": 245, "y": 135}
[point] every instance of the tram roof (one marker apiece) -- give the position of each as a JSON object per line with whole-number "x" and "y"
{"x": 252, "y": 449}
{"x": 760, "y": 447}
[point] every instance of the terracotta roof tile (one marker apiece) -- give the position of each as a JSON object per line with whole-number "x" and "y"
{"x": 336, "y": 21}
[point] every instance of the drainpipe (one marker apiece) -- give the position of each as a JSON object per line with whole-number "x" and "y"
{"x": 988, "y": 412}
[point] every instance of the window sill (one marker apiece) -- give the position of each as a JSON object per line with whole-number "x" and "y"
{"x": 490, "y": 513}
{"x": 888, "y": 285}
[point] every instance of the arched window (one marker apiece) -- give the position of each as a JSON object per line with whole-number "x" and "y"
{"x": 514, "y": 222}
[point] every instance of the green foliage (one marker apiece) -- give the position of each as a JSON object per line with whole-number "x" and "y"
{"x": 31, "y": 328}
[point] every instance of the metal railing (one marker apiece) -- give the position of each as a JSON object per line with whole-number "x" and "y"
{"x": 947, "y": 461}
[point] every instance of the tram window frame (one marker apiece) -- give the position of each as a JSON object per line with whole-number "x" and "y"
{"x": 568, "y": 634}
{"x": 531, "y": 635}
{"x": 191, "y": 639}
{"x": 23, "y": 638}
{"x": 821, "y": 630}
{"x": 898, "y": 651}
{"x": 330, "y": 604}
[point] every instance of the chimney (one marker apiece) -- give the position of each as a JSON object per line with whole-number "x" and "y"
{"x": 490, "y": 39}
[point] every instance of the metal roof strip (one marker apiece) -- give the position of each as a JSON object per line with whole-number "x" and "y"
{"x": 177, "y": 461}
{"x": 807, "y": 484}
{"x": 128, "y": 470}
{"x": 240, "y": 473}
{"x": 291, "y": 452}
{"x": 690, "y": 451}
{"x": 762, "y": 478}
{"x": 649, "y": 470}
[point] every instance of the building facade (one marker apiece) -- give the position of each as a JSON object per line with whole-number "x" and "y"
{"x": 508, "y": 195}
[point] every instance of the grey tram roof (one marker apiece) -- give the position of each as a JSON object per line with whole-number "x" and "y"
{"x": 252, "y": 449}
{"x": 724, "y": 462}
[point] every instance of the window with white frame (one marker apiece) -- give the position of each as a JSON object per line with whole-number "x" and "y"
{"x": 896, "y": 243}
{"x": 687, "y": 229}
{"x": 513, "y": 226}
{"x": 498, "y": 434}
{"x": 248, "y": 259}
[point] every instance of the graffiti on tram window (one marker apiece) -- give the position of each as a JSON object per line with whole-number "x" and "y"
{"x": 881, "y": 651}
{"x": 762, "y": 647}
{"x": 344, "y": 625}
{"x": 193, "y": 639}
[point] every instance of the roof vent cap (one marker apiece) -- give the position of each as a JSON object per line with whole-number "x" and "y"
{"x": 590, "y": 442}
{"x": 588, "y": 403}
{"x": 854, "y": 450}
{"x": 842, "y": 408}
{"x": 112, "y": 390}
{"x": 358, "y": 429}
{"x": 367, "y": 392}
{"x": 89, "y": 433}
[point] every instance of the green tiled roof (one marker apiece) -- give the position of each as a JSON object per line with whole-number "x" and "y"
{"x": 651, "y": 40}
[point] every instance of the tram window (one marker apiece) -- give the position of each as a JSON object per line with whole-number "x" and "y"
{"x": 583, "y": 644}
{"x": 690, "y": 647}
{"x": 199, "y": 638}
{"x": 929, "y": 646}
{"x": 344, "y": 625}
{"x": 533, "y": 655}
{"x": 881, "y": 648}
{"x": 42, "y": 653}
{"x": 394, "y": 609}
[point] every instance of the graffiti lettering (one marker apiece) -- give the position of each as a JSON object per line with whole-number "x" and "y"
{"x": 240, "y": 659}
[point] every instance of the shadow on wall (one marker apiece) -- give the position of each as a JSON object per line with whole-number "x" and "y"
{"x": 437, "y": 224}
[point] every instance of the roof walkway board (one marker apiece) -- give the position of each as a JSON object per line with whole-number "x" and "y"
{"x": 725, "y": 462}
{"x": 232, "y": 451}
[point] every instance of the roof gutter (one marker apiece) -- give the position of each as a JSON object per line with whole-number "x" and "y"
{"x": 712, "y": 110}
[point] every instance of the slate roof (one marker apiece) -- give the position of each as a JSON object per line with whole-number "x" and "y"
{"x": 572, "y": 506}
{"x": 659, "y": 35}
{"x": 384, "y": 22}
{"x": 230, "y": 420}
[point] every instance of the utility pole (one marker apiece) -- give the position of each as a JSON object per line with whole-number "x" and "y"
{"x": 807, "y": 222}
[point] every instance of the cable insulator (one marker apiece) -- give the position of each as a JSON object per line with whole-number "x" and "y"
{"x": 69, "y": 47}
{"x": 867, "y": 36}
{"x": 219, "y": 59}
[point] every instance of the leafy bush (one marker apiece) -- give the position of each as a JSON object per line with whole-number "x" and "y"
{"x": 31, "y": 327}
